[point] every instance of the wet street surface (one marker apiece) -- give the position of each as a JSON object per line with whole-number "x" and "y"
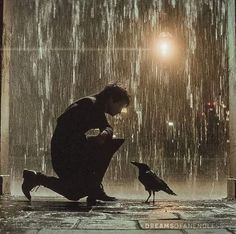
{"x": 51, "y": 215}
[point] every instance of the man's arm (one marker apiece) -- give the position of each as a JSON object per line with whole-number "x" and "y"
{"x": 106, "y": 131}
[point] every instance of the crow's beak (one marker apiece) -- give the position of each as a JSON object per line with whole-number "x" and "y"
{"x": 135, "y": 163}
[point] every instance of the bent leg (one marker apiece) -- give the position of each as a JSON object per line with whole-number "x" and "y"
{"x": 63, "y": 187}
{"x": 100, "y": 157}
{"x": 82, "y": 175}
{"x": 105, "y": 155}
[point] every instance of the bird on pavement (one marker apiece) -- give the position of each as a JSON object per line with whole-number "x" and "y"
{"x": 151, "y": 181}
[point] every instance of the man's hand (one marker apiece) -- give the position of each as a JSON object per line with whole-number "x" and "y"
{"x": 102, "y": 137}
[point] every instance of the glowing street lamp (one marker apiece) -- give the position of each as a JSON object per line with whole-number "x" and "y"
{"x": 164, "y": 45}
{"x": 165, "y": 48}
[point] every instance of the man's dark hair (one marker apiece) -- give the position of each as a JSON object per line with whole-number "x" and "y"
{"x": 116, "y": 92}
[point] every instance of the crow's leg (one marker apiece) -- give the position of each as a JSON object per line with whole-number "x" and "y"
{"x": 148, "y": 196}
{"x": 153, "y": 196}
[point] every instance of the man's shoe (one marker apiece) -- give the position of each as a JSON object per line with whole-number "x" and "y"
{"x": 103, "y": 196}
{"x": 99, "y": 194}
{"x": 94, "y": 202}
{"x": 91, "y": 201}
{"x": 30, "y": 181}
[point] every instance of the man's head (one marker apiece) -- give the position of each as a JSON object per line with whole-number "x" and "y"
{"x": 116, "y": 98}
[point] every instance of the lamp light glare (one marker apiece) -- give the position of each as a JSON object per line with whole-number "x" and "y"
{"x": 164, "y": 48}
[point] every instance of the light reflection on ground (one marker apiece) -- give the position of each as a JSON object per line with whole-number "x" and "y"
{"x": 135, "y": 190}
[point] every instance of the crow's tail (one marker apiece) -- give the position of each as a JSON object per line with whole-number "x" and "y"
{"x": 169, "y": 191}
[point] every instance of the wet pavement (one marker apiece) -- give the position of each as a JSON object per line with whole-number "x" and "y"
{"x": 49, "y": 215}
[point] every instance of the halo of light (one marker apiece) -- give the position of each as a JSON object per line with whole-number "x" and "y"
{"x": 165, "y": 48}
{"x": 164, "y": 45}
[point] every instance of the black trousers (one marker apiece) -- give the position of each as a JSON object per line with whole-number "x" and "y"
{"x": 83, "y": 168}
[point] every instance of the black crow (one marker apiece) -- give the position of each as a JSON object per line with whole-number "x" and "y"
{"x": 151, "y": 181}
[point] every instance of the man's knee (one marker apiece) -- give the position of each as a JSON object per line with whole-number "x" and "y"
{"x": 75, "y": 195}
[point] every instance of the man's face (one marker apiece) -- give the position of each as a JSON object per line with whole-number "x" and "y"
{"x": 115, "y": 108}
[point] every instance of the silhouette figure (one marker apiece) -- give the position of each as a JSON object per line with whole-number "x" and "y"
{"x": 151, "y": 181}
{"x": 81, "y": 161}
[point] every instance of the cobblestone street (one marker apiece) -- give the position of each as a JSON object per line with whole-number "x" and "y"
{"x": 56, "y": 215}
